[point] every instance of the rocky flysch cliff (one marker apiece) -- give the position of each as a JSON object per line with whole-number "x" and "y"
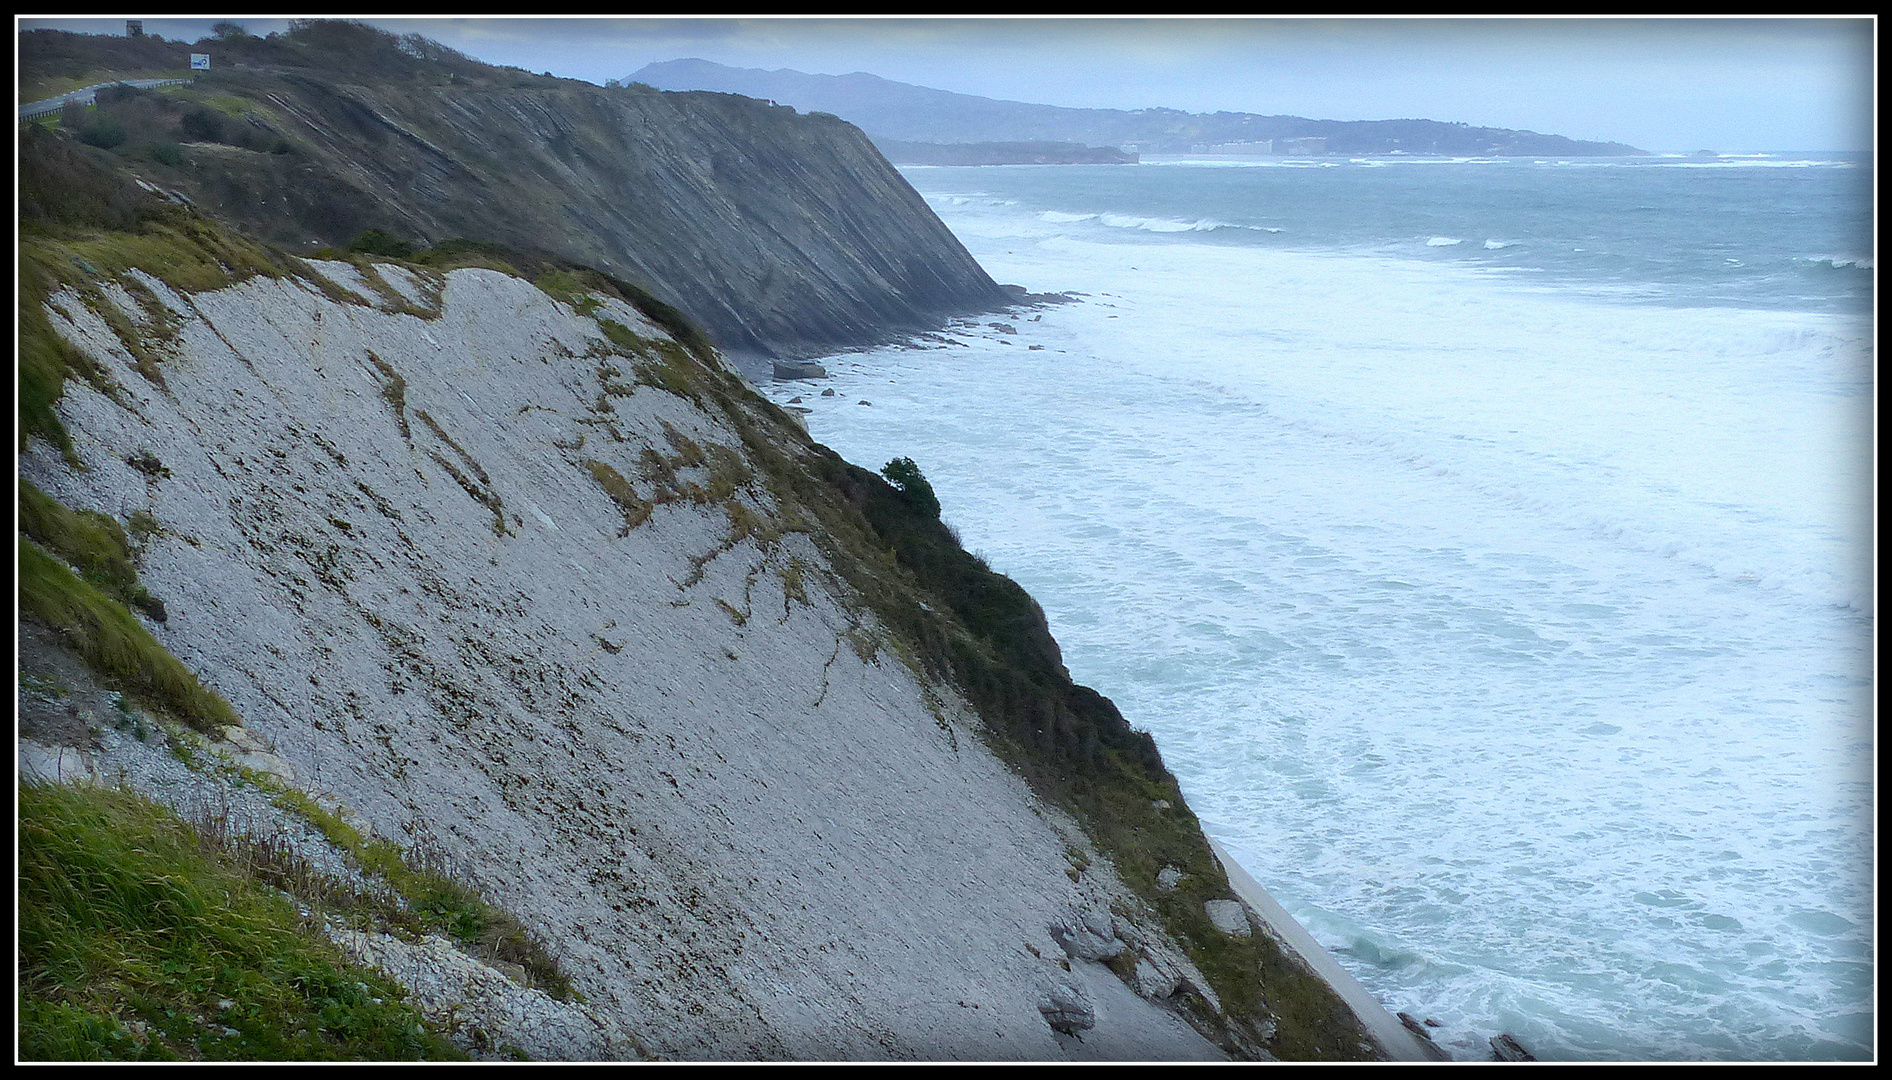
{"x": 452, "y": 655}
{"x": 777, "y": 232}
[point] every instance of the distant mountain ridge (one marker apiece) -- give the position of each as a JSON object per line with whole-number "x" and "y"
{"x": 889, "y": 110}
{"x": 1001, "y": 153}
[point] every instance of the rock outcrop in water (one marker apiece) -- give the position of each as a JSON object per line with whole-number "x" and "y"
{"x": 502, "y": 618}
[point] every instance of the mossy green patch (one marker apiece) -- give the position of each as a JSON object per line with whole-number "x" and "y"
{"x": 574, "y": 288}
{"x": 636, "y": 510}
{"x": 727, "y": 473}
{"x": 670, "y": 366}
{"x": 231, "y": 105}
{"x": 622, "y": 336}
{"x": 328, "y": 823}
{"x": 187, "y": 252}
{"x": 460, "y": 254}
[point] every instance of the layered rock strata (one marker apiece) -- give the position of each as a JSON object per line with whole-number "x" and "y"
{"x": 779, "y": 233}
{"x": 490, "y": 573}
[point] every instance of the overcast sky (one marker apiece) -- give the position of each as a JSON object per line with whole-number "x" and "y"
{"x": 1666, "y": 85}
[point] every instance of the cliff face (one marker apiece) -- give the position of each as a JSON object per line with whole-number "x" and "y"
{"x": 533, "y": 589}
{"x": 511, "y": 572}
{"x": 778, "y": 233}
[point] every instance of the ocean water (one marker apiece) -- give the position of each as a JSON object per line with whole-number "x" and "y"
{"x": 1487, "y": 544}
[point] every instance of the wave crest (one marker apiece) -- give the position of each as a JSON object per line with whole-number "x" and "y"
{"x": 1839, "y": 262}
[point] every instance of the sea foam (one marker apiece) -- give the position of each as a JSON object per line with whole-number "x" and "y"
{"x": 1516, "y": 638}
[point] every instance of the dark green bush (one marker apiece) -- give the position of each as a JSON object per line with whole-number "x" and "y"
{"x": 201, "y": 125}
{"x": 377, "y": 242}
{"x": 103, "y": 132}
{"x": 912, "y": 484}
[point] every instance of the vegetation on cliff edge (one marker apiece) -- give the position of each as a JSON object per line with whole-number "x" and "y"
{"x": 141, "y": 940}
{"x": 956, "y": 621}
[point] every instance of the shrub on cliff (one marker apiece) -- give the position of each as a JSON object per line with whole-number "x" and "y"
{"x": 906, "y": 476}
{"x": 376, "y": 242}
{"x": 104, "y": 133}
{"x": 201, "y": 125}
{"x": 62, "y": 183}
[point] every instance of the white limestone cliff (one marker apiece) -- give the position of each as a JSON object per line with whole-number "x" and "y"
{"x": 481, "y": 576}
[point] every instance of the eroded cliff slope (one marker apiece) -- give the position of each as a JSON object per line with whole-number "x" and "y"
{"x": 777, "y": 232}
{"x": 523, "y": 577}
{"x": 480, "y": 601}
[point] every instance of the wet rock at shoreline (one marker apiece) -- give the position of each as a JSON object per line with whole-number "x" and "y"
{"x": 1504, "y": 1047}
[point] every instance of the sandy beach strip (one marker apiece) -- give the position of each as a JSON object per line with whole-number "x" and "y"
{"x": 1382, "y": 1025}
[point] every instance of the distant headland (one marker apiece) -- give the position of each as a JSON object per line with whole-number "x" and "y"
{"x": 900, "y": 114}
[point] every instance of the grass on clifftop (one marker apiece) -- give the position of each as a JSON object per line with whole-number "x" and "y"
{"x": 139, "y": 941}
{"x": 83, "y": 223}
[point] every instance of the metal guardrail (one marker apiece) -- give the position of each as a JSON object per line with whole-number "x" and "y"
{"x": 85, "y": 96}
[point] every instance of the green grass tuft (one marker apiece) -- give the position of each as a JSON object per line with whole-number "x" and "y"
{"x": 432, "y": 901}
{"x": 140, "y": 941}
{"x": 92, "y": 542}
{"x": 112, "y": 641}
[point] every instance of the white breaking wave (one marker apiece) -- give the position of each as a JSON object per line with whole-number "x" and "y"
{"x": 1155, "y": 224}
{"x": 1147, "y": 224}
{"x": 1839, "y": 262}
{"x": 975, "y": 199}
{"x": 1443, "y": 241}
{"x": 1775, "y": 164}
{"x": 1709, "y": 163}
{"x": 1246, "y": 163}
